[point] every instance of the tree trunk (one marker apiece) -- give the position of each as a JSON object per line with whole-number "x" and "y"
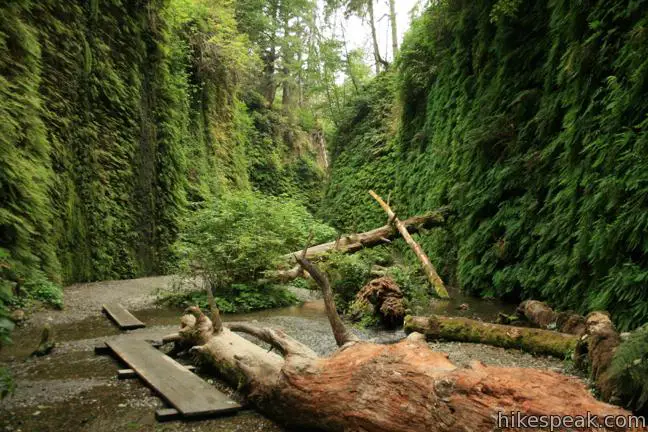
{"x": 378, "y": 388}
{"x": 394, "y": 27}
{"x": 428, "y": 268}
{"x": 459, "y": 329}
{"x": 374, "y": 37}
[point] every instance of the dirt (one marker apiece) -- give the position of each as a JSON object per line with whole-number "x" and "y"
{"x": 73, "y": 389}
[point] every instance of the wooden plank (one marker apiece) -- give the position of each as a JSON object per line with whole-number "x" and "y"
{"x": 130, "y": 373}
{"x": 124, "y": 319}
{"x": 167, "y": 414}
{"x": 183, "y": 390}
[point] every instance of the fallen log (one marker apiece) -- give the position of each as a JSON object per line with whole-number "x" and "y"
{"x": 541, "y": 315}
{"x": 378, "y": 388}
{"x": 383, "y": 235}
{"x": 536, "y": 341}
{"x": 428, "y": 268}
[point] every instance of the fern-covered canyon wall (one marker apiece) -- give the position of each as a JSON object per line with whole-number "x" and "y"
{"x": 529, "y": 119}
{"x": 121, "y": 118}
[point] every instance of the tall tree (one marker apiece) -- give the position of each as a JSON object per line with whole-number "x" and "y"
{"x": 394, "y": 27}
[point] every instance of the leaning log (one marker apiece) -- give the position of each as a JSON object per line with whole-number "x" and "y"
{"x": 428, "y": 268}
{"x": 382, "y": 388}
{"x": 536, "y": 341}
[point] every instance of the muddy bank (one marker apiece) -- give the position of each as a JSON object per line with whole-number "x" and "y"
{"x": 74, "y": 390}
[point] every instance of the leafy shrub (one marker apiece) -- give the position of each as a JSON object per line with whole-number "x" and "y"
{"x": 231, "y": 243}
{"x": 413, "y": 284}
{"x": 347, "y": 273}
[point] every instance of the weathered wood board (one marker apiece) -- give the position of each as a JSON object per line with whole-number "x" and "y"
{"x": 124, "y": 319}
{"x": 130, "y": 373}
{"x": 179, "y": 387}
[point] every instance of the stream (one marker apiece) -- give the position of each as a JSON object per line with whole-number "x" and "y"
{"x": 72, "y": 389}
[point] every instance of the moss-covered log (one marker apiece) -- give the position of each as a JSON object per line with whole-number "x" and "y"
{"x": 535, "y": 341}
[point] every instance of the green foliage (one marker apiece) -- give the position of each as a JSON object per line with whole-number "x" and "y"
{"x": 364, "y": 157}
{"x": 347, "y": 273}
{"x": 238, "y": 298}
{"x": 529, "y": 119}
{"x": 238, "y": 238}
{"x": 629, "y": 370}
{"x": 414, "y": 285}
{"x": 119, "y": 118}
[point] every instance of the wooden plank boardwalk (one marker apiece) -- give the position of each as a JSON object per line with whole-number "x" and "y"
{"x": 124, "y": 319}
{"x": 186, "y": 392}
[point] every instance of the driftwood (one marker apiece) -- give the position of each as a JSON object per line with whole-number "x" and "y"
{"x": 428, "y": 268}
{"x": 536, "y": 341}
{"x": 378, "y": 388}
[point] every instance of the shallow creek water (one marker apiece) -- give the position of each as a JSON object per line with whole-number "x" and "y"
{"x": 73, "y": 389}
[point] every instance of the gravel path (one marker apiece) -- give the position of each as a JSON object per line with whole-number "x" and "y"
{"x": 72, "y": 389}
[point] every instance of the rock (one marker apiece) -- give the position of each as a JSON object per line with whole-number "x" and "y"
{"x": 18, "y": 316}
{"x": 463, "y": 307}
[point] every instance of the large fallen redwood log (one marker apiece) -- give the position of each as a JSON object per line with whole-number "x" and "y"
{"x": 592, "y": 347}
{"x": 377, "y": 388}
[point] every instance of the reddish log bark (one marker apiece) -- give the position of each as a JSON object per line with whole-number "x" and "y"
{"x": 379, "y": 388}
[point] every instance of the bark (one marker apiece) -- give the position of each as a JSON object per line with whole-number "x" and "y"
{"x": 596, "y": 349}
{"x": 383, "y": 298}
{"x": 541, "y": 315}
{"x": 378, "y": 388}
{"x": 428, "y": 268}
{"x": 374, "y": 38}
{"x": 394, "y": 28}
{"x": 459, "y": 329}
